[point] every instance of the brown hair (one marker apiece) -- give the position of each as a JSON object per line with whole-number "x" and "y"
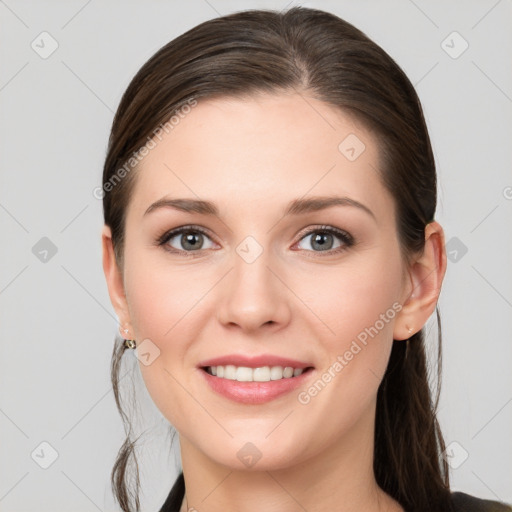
{"x": 314, "y": 52}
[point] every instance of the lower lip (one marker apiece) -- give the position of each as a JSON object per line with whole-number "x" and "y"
{"x": 255, "y": 392}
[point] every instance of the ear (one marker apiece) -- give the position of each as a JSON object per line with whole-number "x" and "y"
{"x": 114, "y": 278}
{"x": 426, "y": 276}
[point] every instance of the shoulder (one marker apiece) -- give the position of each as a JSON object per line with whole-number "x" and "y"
{"x": 461, "y": 502}
{"x": 465, "y": 503}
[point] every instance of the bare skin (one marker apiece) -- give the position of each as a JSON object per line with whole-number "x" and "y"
{"x": 251, "y": 157}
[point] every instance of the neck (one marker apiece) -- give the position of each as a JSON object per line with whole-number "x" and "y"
{"x": 340, "y": 478}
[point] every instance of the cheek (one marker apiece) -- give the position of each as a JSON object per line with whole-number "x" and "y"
{"x": 164, "y": 304}
{"x": 356, "y": 298}
{"x": 161, "y": 299}
{"x": 358, "y": 310}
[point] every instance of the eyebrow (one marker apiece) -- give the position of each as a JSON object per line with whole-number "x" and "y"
{"x": 295, "y": 207}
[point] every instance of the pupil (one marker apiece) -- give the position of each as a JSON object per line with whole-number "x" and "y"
{"x": 320, "y": 240}
{"x": 191, "y": 241}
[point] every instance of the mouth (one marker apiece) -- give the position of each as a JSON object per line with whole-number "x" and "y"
{"x": 253, "y": 386}
{"x": 259, "y": 374}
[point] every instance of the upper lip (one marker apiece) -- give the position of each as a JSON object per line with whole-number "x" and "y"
{"x": 254, "y": 361}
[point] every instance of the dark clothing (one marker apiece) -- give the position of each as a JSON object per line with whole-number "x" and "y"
{"x": 461, "y": 502}
{"x": 465, "y": 503}
{"x": 173, "y": 501}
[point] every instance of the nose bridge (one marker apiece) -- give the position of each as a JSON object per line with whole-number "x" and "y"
{"x": 251, "y": 267}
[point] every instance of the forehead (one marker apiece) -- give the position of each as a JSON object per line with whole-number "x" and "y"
{"x": 266, "y": 148}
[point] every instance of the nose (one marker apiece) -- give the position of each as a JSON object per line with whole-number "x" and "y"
{"x": 254, "y": 296}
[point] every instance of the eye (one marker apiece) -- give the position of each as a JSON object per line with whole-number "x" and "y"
{"x": 192, "y": 239}
{"x": 187, "y": 239}
{"x": 325, "y": 238}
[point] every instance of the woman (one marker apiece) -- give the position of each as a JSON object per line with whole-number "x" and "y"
{"x": 271, "y": 252}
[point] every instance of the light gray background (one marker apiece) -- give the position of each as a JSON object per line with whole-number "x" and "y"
{"x": 57, "y": 325}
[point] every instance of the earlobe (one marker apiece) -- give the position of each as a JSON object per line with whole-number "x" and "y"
{"x": 426, "y": 276}
{"x": 114, "y": 280}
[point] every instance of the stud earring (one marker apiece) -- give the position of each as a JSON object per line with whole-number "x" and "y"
{"x": 130, "y": 344}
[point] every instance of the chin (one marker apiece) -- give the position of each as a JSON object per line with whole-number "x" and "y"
{"x": 255, "y": 454}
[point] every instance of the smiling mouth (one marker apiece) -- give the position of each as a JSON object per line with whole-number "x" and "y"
{"x": 261, "y": 374}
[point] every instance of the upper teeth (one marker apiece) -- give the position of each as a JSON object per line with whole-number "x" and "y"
{"x": 245, "y": 374}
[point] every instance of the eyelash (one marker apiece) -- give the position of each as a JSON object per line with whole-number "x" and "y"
{"x": 347, "y": 239}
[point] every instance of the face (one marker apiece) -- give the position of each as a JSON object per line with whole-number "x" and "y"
{"x": 321, "y": 286}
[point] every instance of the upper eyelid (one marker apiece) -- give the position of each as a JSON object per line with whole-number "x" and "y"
{"x": 324, "y": 227}
{"x": 171, "y": 233}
